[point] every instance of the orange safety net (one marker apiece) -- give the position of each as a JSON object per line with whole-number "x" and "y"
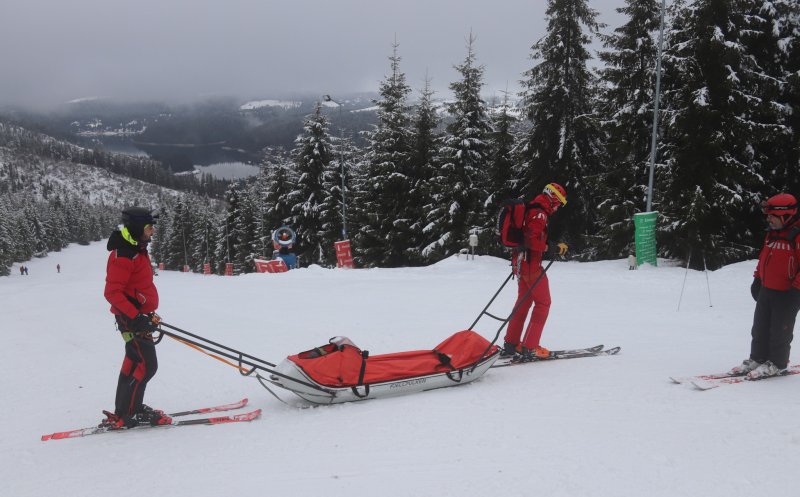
{"x": 341, "y": 366}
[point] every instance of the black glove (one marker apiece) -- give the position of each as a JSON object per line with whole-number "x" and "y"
{"x": 755, "y": 288}
{"x": 143, "y": 324}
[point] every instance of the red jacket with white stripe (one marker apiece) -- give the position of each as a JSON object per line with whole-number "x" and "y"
{"x": 129, "y": 278}
{"x": 778, "y": 262}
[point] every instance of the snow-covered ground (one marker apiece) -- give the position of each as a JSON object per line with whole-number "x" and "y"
{"x": 607, "y": 426}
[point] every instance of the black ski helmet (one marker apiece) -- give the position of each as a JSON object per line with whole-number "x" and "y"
{"x": 136, "y": 218}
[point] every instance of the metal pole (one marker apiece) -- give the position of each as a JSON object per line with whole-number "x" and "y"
{"x": 341, "y": 160}
{"x": 655, "y": 111}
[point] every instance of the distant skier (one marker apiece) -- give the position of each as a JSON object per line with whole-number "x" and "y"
{"x": 134, "y": 299}
{"x": 776, "y": 290}
{"x": 58, "y": 268}
{"x": 527, "y": 265}
{"x": 22, "y": 270}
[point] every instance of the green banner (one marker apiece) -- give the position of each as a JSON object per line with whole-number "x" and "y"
{"x": 645, "y": 223}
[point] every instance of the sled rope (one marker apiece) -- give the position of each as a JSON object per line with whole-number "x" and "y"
{"x": 214, "y": 356}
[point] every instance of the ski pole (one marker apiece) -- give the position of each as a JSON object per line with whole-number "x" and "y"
{"x": 684, "y": 280}
{"x": 708, "y": 285}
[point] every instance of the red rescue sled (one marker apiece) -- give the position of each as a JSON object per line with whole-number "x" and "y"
{"x": 341, "y": 372}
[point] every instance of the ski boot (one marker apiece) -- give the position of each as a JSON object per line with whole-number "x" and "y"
{"x": 509, "y": 349}
{"x": 115, "y": 422}
{"x": 153, "y": 417}
{"x": 541, "y": 352}
{"x": 745, "y": 367}
{"x": 765, "y": 370}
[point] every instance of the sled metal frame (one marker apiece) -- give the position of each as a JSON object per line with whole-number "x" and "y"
{"x": 362, "y": 391}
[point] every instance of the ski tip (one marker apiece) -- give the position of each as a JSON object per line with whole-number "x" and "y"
{"x": 45, "y": 438}
{"x": 704, "y": 385}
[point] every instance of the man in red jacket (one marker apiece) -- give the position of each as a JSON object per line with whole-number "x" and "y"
{"x": 134, "y": 299}
{"x": 528, "y": 267}
{"x": 776, "y": 290}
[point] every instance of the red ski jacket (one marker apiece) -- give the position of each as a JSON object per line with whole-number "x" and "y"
{"x": 129, "y": 278}
{"x": 778, "y": 262}
{"x": 535, "y": 239}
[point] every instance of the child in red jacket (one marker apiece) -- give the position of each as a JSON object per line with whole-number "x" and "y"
{"x": 776, "y": 290}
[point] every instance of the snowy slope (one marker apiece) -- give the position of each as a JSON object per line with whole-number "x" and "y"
{"x": 609, "y": 426}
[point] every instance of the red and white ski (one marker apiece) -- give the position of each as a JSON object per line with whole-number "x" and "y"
{"x": 711, "y": 381}
{"x": 237, "y": 418}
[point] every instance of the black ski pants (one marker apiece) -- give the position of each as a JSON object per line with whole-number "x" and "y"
{"x": 138, "y": 368}
{"x": 773, "y": 327}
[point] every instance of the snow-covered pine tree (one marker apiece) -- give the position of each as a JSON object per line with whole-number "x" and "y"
{"x": 227, "y": 234}
{"x": 312, "y": 157}
{"x": 277, "y": 182}
{"x": 6, "y": 240}
{"x": 714, "y": 133}
{"x": 331, "y": 212}
{"x": 564, "y": 143}
{"x": 626, "y": 110}
{"x": 246, "y": 232}
{"x": 385, "y": 216}
{"x": 177, "y": 246}
{"x": 461, "y": 180}
{"x": 203, "y": 238}
{"x": 425, "y": 136}
{"x": 771, "y": 34}
{"x": 500, "y": 171}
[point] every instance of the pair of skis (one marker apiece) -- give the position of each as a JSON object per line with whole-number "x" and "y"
{"x": 711, "y": 381}
{"x": 595, "y": 351}
{"x": 214, "y": 420}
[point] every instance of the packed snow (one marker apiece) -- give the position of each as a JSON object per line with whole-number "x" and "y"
{"x": 606, "y": 426}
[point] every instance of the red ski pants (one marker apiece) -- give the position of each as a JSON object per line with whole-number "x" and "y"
{"x": 539, "y": 297}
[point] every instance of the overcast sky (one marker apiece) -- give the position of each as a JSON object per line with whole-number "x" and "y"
{"x": 52, "y": 51}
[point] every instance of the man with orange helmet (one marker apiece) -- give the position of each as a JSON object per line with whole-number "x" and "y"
{"x": 776, "y": 290}
{"x": 528, "y": 267}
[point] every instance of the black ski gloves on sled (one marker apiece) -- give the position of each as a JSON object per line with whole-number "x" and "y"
{"x": 755, "y": 288}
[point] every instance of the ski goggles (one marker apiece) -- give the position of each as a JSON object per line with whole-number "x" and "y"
{"x": 551, "y": 191}
{"x": 776, "y": 210}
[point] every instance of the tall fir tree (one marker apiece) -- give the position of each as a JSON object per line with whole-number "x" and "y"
{"x": 770, "y": 34}
{"x": 626, "y": 110}
{"x": 385, "y": 237}
{"x": 501, "y": 170}
{"x": 312, "y": 156}
{"x": 461, "y": 181}
{"x": 564, "y": 144}
{"x": 425, "y": 137}
{"x": 715, "y": 131}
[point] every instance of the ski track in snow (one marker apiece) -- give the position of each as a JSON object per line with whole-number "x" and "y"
{"x": 607, "y": 426}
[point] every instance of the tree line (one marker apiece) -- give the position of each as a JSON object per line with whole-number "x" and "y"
{"x": 412, "y": 189}
{"x": 728, "y": 137}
